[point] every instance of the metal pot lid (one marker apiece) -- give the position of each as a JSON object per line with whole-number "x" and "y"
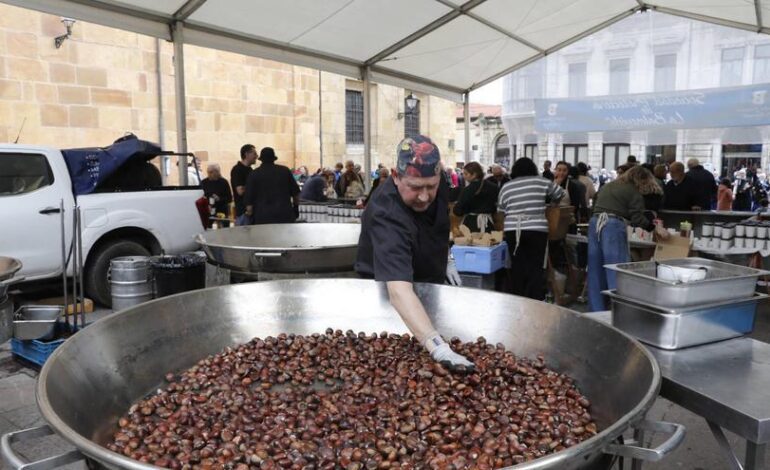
{"x": 8, "y": 267}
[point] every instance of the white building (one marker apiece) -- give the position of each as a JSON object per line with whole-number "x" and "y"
{"x": 488, "y": 138}
{"x": 645, "y": 53}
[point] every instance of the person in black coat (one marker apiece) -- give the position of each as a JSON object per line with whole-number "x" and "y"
{"x": 272, "y": 195}
{"x": 478, "y": 200}
{"x": 705, "y": 183}
{"x": 681, "y": 193}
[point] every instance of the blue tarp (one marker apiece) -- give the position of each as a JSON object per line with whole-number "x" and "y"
{"x": 691, "y": 109}
{"x": 89, "y": 167}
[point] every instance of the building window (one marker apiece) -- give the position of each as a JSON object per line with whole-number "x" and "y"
{"x": 412, "y": 119}
{"x": 615, "y": 155}
{"x": 503, "y": 152}
{"x": 731, "y": 73}
{"x": 574, "y": 153}
{"x": 529, "y": 81}
{"x": 619, "y": 76}
{"x": 762, "y": 63}
{"x": 354, "y": 117}
{"x": 530, "y": 150}
{"x": 577, "y": 80}
{"x": 665, "y": 72}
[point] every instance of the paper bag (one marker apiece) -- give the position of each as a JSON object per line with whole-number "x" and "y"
{"x": 674, "y": 247}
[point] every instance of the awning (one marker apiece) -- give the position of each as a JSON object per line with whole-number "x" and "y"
{"x": 440, "y": 47}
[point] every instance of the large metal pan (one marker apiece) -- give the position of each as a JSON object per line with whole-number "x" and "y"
{"x": 283, "y": 248}
{"x": 96, "y": 375}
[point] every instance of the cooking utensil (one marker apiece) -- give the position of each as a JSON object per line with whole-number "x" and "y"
{"x": 724, "y": 281}
{"x": 126, "y": 356}
{"x": 669, "y": 328}
{"x": 36, "y": 321}
{"x": 283, "y": 248}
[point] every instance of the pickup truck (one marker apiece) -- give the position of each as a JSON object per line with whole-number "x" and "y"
{"x": 33, "y": 182}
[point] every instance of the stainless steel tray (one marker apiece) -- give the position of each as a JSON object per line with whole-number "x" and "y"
{"x": 724, "y": 281}
{"x": 36, "y": 321}
{"x": 680, "y": 328}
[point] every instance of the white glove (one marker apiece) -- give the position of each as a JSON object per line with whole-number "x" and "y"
{"x": 452, "y": 275}
{"x": 443, "y": 354}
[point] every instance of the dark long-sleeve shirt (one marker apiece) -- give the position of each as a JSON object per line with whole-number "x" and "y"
{"x": 221, "y": 188}
{"x": 479, "y": 197}
{"x": 682, "y": 196}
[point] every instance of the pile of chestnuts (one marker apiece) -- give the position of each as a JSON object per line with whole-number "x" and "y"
{"x": 354, "y": 401}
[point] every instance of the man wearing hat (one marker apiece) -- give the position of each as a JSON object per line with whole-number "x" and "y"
{"x": 272, "y": 194}
{"x": 405, "y": 239}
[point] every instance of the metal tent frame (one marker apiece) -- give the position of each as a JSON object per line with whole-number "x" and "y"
{"x": 451, "y": 72}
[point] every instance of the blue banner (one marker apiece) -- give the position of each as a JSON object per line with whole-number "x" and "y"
{"x": 692, "y": 109}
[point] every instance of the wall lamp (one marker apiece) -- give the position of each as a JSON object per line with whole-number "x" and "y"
{"x": 67, "y": 22}
{"x": 411, "y": 103}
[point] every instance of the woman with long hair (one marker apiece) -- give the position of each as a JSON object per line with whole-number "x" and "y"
{"x": 478, "y": 200}
{"x": 617, "y": 204}
{"x": 523, "y": 200}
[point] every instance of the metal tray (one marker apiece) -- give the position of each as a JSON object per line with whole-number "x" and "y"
{"x": 723, "y": 282}
{"x": 36, "y": 321}
{"x": 682, "y": 328}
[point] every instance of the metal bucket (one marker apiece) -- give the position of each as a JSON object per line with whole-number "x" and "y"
{"x": 130, "y": 281}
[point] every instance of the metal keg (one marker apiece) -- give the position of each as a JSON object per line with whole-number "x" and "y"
{"x": 130, "y": 281}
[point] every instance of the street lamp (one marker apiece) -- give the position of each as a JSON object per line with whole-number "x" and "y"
{"x": 67, "y": 22}
{"x": 411, "y": 103}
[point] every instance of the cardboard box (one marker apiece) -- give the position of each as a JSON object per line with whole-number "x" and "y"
{"x": 675, "y": 246}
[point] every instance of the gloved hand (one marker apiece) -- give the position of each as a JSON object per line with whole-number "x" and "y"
{"x": 443, "y": 354}
{"x": 452, "y": 275}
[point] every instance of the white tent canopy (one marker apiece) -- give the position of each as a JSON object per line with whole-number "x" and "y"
{"x": 441, "y": 47}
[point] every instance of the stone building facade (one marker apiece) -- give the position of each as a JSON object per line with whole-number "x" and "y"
{"x": 488, "y": 138}
{"x": 104, "y": 82}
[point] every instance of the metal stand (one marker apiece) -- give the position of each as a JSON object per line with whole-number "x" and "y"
{"x": 755, "y": 453}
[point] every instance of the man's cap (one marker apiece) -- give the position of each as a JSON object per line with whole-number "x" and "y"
{"x": 267, "y": 154}
{"x": 418, "y": 156}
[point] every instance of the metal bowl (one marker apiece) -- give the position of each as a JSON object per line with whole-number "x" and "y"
{"x": 125, "y": 356}
{"x": 283, "y": 248}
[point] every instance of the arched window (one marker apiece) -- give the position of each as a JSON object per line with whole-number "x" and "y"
{"x": 503, "y": 151}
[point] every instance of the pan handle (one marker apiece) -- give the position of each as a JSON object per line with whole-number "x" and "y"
{"x": 268, "y": 254}
{"x": 14, "y": 461}
{"x": 676, "y": 430}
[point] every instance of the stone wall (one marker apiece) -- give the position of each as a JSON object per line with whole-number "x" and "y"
{"x": 103, "y": 82}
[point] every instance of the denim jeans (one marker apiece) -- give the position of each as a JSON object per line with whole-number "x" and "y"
{"x": 611, "y": 249}
{"x": 243, "y": 219}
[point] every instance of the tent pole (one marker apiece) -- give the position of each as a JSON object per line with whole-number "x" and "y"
{"x": 367, "y": 129}
{"x": 177, "y": 35}
{"x": 467, "y": 126}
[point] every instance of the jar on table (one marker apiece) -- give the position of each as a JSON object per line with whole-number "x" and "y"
{"x": 728, "y": 231}
{"x": 740, "y": 230}
{"x": 717, "y": 229}
{"x": 740, "y": 242}
{"x": 761, "y": 230}
{"x": 751, "y": 229}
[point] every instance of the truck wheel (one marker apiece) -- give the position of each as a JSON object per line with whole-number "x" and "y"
{"x": 97, "y": 284}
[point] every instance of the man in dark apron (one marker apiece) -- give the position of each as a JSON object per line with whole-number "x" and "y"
{"x": 405, "y": 239}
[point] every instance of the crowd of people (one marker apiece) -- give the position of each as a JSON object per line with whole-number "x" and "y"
{"x": 606, "y": 201}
